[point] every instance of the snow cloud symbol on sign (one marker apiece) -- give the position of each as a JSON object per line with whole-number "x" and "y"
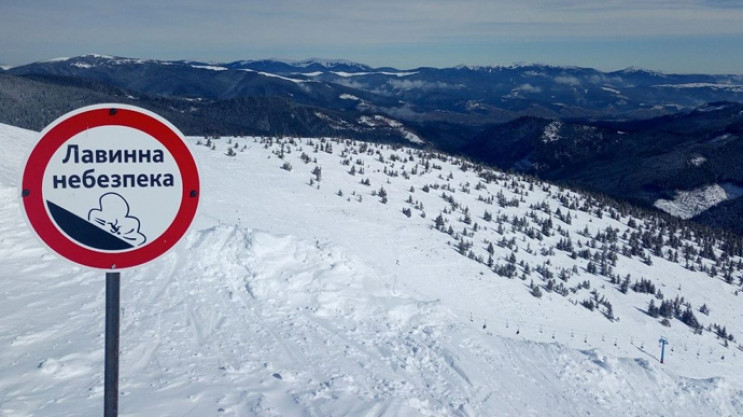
{"x": 112, "y": 215}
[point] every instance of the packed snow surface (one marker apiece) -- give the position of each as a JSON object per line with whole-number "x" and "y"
{"x": 312, "y": 294}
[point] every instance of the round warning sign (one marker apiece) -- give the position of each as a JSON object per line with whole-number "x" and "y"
{"x": 110, "y": 186}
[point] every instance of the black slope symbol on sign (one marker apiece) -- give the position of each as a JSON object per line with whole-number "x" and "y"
{"x": 84, "y": 232}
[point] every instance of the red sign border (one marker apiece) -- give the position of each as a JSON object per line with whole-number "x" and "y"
{"x": 69, "y": 125}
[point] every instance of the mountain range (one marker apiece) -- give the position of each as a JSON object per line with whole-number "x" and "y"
{"x": 461, "y": 94}
{"x": 663, "y": 140}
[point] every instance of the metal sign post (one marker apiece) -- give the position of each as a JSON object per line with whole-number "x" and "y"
{"x": 111, "y": 371}
{"x": 110, "y": 186}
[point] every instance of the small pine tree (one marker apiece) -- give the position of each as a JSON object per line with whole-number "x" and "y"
{"x": 487, "y": 216}
{"x": 317, "y": 172}
{"x": 666, "y": 309}
{"x": 704, "y": 309}
{"x": 624, "y": 285}
{"x": 462, "y": 246}
{"x": 439, "y": 221}
{"x": 536, "y": 291}
{"x": 467, "y": 218}
{"x": 609, "y": 311}
{"x": 688, "y": 318}
{"x": 653, "y": 310}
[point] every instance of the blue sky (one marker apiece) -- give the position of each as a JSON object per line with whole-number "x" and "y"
{"x": 680, "y": 36}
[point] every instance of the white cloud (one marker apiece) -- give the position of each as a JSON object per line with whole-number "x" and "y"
{"x": 420, "y": 85}
{"x": 567, "y": 79}
{"x": 527, "y": 88}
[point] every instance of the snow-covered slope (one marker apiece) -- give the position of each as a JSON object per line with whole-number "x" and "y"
{"x": 687, "y": 204}
{"x": 301, "y": 293}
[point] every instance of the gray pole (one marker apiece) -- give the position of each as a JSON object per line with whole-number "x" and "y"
{"x": 663, "y": 341}
{"x": 111, "y": 373}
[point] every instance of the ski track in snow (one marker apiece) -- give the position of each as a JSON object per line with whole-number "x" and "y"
{"x": 285, "y": 301}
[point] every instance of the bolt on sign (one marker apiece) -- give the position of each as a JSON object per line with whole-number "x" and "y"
{"x": 110, "y": 186}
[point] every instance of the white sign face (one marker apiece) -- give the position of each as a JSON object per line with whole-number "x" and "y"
{"x": 132, "y": 192}
{"x": 110, "y": 186}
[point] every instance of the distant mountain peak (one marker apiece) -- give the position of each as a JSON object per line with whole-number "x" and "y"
{"x": 526, "y": 66}
{"x": 277, "y": 65}
{"x": 331, "y": 63}
{"x": 79, "y": 58}
{"x": 95, "y": 60}
{"x": 101, "y": 56}
{"x": 642, "y": 71}
{"x": 471, "y": 67}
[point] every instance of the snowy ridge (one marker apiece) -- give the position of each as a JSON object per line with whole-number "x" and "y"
{"x": 58, "y": 59}
{"x": 638, "y": 70}
{"x": 329, "y": 63}
{"x": 359, "y": 74}
{"x": 304, "y": 291}
{"x": 306, "y": 63}
{"x": 491, "y": 68}
{"x": 281, "y": 77}
{"x": 210, "y": 67}
{"x": 97, "y": 60}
